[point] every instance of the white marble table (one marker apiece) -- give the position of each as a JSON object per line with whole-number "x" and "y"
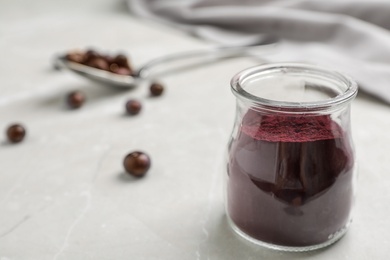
{"x": 63, "y": 191}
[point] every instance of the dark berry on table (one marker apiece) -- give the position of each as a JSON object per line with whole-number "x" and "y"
{"x": 137, "y": 163}
{"x": 16, "y": 133}
{"x": 75, "y": 99}
{"x": 156, "y": 89}
{"x": 133, "y": 107}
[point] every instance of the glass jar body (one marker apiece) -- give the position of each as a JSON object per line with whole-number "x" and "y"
{"x": 290, "y": 175}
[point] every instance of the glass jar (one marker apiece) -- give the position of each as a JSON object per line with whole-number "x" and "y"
{"x": 291, "y": 164}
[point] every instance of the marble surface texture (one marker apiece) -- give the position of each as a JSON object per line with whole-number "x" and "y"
{"x": 63, "y": 191}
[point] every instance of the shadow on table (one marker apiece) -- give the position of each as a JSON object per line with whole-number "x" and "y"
{"x": 224, "y": 243}
{"x": 7, "y": 143}
{"x": 127, "y": 178}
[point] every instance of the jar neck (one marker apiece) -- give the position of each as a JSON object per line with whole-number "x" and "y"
{"x": 293, "y": 88}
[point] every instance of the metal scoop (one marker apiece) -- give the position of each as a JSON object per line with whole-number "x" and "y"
{"x": 162, "y": 66}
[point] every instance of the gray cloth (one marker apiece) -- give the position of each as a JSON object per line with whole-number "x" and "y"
{"x": 348, "y": 35}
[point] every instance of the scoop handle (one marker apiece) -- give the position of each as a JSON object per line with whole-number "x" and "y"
{"x": 186, "y": 60}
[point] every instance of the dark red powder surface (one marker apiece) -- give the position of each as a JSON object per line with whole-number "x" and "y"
{"x": 290, "y": 178}
{"x": 279, "y": 128}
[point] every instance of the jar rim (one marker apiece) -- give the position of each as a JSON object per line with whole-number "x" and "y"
{"x": 342, "y": 98}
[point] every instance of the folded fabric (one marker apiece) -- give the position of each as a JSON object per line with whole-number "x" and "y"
{"x": 347, "y": 35}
